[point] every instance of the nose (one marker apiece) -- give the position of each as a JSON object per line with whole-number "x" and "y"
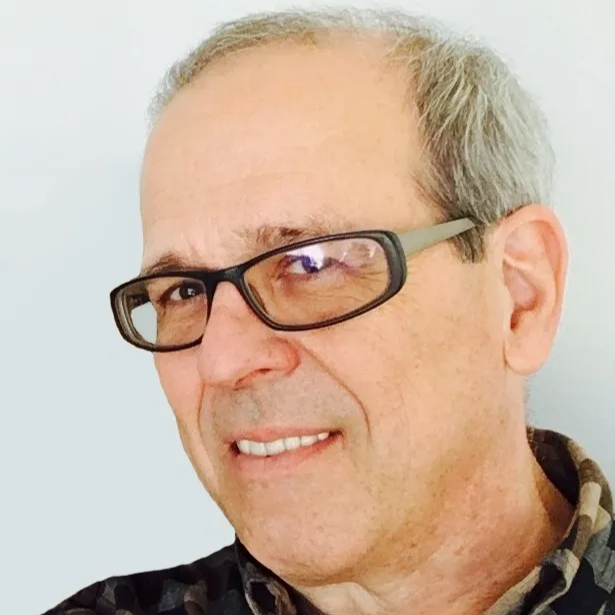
{"x": 237, "y": 348}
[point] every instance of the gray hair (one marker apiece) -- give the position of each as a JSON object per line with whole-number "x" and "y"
{"x": 486, "y": 141}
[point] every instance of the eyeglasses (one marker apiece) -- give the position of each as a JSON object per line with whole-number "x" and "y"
{"x": 306, "y": 285}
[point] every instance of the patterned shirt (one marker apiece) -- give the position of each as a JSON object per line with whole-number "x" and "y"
{"x": 578, "y": 578}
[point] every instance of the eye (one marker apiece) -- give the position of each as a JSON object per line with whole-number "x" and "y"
{"x": 308, "y": 264}
{"x": 185, "y": 291}
{"x": 311, "y": 260}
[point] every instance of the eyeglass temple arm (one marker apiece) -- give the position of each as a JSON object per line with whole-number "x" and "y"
{"x": 421, "y": 238}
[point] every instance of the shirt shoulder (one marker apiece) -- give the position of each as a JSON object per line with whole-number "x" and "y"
{"x": 208, "y": 586}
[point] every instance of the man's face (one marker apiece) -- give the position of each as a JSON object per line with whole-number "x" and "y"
{"x": 412, "y": 392}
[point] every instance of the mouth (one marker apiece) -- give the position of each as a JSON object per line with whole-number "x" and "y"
{"x": 273, "y": 448}
{"x": 258, "y": 456}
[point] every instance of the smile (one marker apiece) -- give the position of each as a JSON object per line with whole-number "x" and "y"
{"x": 277, "y": 447}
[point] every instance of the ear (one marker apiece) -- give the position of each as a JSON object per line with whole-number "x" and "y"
{"x": 531, "y": 249}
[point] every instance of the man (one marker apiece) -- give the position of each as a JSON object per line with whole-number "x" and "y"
{"x": 348, "y": 274}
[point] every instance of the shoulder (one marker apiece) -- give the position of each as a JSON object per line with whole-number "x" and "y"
{"x": 206, "y": 583}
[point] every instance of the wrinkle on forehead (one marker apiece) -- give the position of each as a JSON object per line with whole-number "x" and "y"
{"x": 251, "y": 241}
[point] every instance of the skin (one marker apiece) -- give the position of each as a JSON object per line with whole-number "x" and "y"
{"x": 430, "y": 496}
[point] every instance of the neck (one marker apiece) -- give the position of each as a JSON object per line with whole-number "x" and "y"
{"x": 486, "y": 540}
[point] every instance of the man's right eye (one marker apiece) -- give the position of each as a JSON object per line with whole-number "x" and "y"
{"x": 184, "y": 291}
{"x": 177, "y": 293}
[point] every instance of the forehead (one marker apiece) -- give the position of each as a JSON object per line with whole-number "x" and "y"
{"x": 282, "y": 136}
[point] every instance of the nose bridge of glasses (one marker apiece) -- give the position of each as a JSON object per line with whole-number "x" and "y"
{"x": 215, "y": 280}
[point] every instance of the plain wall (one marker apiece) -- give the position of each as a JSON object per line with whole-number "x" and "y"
{"x": 94, "y": 480}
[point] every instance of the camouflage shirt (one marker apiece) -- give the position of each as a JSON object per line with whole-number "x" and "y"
{"x": 578, "y": 578}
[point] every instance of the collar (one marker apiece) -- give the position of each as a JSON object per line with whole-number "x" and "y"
{"x": 580, "y": 573}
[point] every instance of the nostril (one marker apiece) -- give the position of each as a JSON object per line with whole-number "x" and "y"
{"x": 247, "y": 380}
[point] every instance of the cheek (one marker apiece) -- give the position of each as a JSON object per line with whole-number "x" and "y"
{"x": 181, "y": 384}
{"x": 419, "y": 370}
{"x": 370, "y": 360}
{"x": 183, "y": 388}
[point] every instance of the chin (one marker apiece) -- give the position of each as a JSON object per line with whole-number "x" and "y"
{"x": 303, "y": 556}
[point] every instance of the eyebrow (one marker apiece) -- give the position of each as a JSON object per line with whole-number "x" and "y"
{"x": 271, "y": 237}
{"x": 263, "y": 239}
{"x": 168, "y": 261}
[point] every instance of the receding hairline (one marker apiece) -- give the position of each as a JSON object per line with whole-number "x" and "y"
{"x": 372, "y": 46}
{"x": 369, "y": 56}
{"x": 385, "y": 42}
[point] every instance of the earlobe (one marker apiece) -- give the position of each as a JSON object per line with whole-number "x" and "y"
{"x": 534, "y": 262}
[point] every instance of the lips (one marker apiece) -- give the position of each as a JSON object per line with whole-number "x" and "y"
{"x": 267, "y": 453}
{"x": 280, "y": 445}
{"x": 264, "y": 467}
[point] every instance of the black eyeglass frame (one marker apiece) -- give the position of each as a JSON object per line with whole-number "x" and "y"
{"x": 397, "y": 248}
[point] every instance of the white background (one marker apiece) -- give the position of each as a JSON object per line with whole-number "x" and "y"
{"x": 93, "y": 478}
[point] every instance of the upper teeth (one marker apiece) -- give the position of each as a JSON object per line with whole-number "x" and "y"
{"x": 262, "y": 449}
